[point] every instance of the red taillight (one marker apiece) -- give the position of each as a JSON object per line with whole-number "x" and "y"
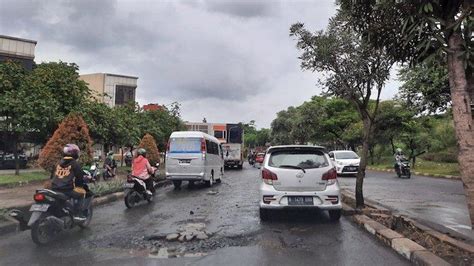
{"x": 268, "y": 175}
{"x": 39, "y": 197}
{"x": 203, "y": 145}
{"x": 331, "y": 174}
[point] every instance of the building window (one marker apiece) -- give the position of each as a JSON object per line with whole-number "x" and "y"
{"x": 124, "y": 94}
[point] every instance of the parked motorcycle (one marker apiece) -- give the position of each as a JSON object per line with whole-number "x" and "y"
{"x": 52, "y": 213}
{"x": 403, "y": 169}
{"x": 135, "y": 190}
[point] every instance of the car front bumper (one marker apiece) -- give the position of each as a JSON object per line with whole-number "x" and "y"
{"x": 320, "y": 198}
{"x": 344, "y": 169}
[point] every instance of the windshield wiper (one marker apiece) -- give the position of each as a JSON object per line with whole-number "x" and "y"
{"x": 293, "y": 166}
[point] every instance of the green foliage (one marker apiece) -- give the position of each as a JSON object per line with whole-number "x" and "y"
{"x": 22, "y": 178}
{"x": 425, "y": 87}
{"x": 104, "y": 188}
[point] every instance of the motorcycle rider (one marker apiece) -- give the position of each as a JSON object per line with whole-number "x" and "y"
{"x": 68, "y": 178}
{"x": 110, "y": 165}
{"x": 142, "y": 169}
{"x": 399, "y": 157}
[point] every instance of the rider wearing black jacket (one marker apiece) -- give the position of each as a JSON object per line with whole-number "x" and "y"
{"x": 68, "y": 178}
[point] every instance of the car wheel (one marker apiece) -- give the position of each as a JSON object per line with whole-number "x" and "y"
{"x": 177, "y": 184}
{"x": 335, "y": 215}
{"x": 264, "y": 215}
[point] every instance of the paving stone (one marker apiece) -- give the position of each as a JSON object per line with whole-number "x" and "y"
{"x": 425, "y": 257}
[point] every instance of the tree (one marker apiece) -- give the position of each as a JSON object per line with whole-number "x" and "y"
{"x": 425, "y": 87}
{"x": 354, "y": 70}
{"x": 73, "y": 129}
{"x": 149, "y": 144}
{"x": 23, "y": 106}
{"x": 419, "y": 30}
{"x": 416, "y": 138}
{"x": 67, "y": 92}
{"x": 282, "y": 127}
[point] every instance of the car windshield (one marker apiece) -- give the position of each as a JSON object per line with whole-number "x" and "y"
{"x": 295, "y": 159}
{"x": 346, "y": 155}
{"x": 185, "y": 145}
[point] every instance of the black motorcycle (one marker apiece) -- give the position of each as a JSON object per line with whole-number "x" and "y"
{"x": 52, "y": 213}
{"x": 135, "y": 190}
{"x": 403, "y": 169}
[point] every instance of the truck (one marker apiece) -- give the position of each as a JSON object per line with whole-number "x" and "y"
{"x": 231, "y": 137}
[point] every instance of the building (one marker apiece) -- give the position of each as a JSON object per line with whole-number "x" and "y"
{"x": 112, "y": 89}
{"x": 17, "y": 49}
{"x": 22, "y": 51}
{"x": 225, "y": 133}
{"x": 152, "y": 107}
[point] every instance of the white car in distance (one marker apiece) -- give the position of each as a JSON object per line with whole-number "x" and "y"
{"x": 346, "y": 161}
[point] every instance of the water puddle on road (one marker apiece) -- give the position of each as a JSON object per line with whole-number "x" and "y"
{"x": 165, "y": 253}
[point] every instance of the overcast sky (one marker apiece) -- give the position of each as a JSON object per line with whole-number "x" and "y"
{"x": 228, "y": 61}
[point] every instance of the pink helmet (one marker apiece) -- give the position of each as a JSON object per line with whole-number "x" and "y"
{"x": 71, "y": 150}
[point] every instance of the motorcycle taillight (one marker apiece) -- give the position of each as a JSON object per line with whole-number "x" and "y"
{"x": 39, "y": 197}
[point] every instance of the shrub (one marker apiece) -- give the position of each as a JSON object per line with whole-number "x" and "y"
{"x": 73, "y": 130}
{"x": 149, "y": 144}
{"x": 444, "y": 157}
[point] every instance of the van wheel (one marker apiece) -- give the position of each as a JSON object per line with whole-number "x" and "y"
{"x": 210, "y": 181}
{"x": 177, "y": 184}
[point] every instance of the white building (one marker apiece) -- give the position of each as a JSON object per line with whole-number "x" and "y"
{"x": 112, "y": 89}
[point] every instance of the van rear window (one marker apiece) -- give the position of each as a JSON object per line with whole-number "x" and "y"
{"x": 185, "y": 145}
{"x": 305, "y": 159}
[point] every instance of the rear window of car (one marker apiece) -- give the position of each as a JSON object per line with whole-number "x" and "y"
{"x": 185, "y": 145}
{"x": 346, "y": 155}
{"x": 306, "y": 159}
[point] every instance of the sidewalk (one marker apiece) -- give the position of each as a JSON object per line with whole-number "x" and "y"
{"x": 17, "y": 196}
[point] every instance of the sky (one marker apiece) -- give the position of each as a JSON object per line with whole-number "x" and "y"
{"x": 227, "y": 61}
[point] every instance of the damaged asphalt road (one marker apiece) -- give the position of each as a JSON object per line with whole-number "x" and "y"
{"x": 204, "y": 226}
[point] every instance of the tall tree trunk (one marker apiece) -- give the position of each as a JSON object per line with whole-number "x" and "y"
{"x": 363, "y": 162}
{"x": 393, "y": 145}
{"x": 462, "y": 117}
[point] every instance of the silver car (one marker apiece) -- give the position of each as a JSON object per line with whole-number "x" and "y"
{"x": 299, "y": 177}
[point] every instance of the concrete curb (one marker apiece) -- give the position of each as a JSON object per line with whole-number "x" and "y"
{"x": 12, "y": 225}
{"x": 453, "y": 177}
{"x": 407, "y": 248}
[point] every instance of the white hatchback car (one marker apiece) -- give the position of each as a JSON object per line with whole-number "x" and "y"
{"x": 346, "y": 161}
{"x": 299, "y": 177}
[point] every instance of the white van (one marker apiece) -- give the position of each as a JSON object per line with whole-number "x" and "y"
{"x": 194, "y": 156}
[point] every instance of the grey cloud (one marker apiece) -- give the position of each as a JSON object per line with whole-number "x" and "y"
{"x": 245, "y": 9}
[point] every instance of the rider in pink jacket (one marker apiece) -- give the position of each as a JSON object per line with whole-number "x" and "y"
{"x": 142, "y": 169}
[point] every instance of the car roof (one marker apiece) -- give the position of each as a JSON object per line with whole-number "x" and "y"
{"x": 281, "y": 147}
{"x": 193, "y": 134}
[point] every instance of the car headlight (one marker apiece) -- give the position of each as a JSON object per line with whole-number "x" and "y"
{"x": 339, "y": 162}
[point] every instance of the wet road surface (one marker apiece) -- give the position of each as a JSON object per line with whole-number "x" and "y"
{"x": 433, "y": 200}
{"x": 227, "y": 212}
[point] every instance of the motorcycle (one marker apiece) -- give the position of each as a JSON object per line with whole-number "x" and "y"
{"x": 93, "y": 171}
{"x": 135, "y": 190}
{"x": 52, "y": 213}
{"x": 403, "y": 169}
{"x": 252, "y": 162}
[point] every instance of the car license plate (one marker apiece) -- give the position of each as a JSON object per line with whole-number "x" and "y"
{"x": 39, "y": 207}
{"x": 128, "y": 185}
{"x": 300, "y": 200}
{"x": 185, "y": 161}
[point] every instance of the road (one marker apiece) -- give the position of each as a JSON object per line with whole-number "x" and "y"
{"x": 439, "y": 202}
{"x": 228, "y": 212}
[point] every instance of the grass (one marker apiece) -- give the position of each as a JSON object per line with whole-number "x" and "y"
{"x": 3, "y": 215}
{"x": 11, "y": 179}
{"x": 424, "y": 166}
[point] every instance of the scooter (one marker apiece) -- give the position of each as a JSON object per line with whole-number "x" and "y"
{"x": 52, "y": 213}
{"x": 93, "y": 171}
{"x": 403, "y": 170}
{"x": 135, "y": 190}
